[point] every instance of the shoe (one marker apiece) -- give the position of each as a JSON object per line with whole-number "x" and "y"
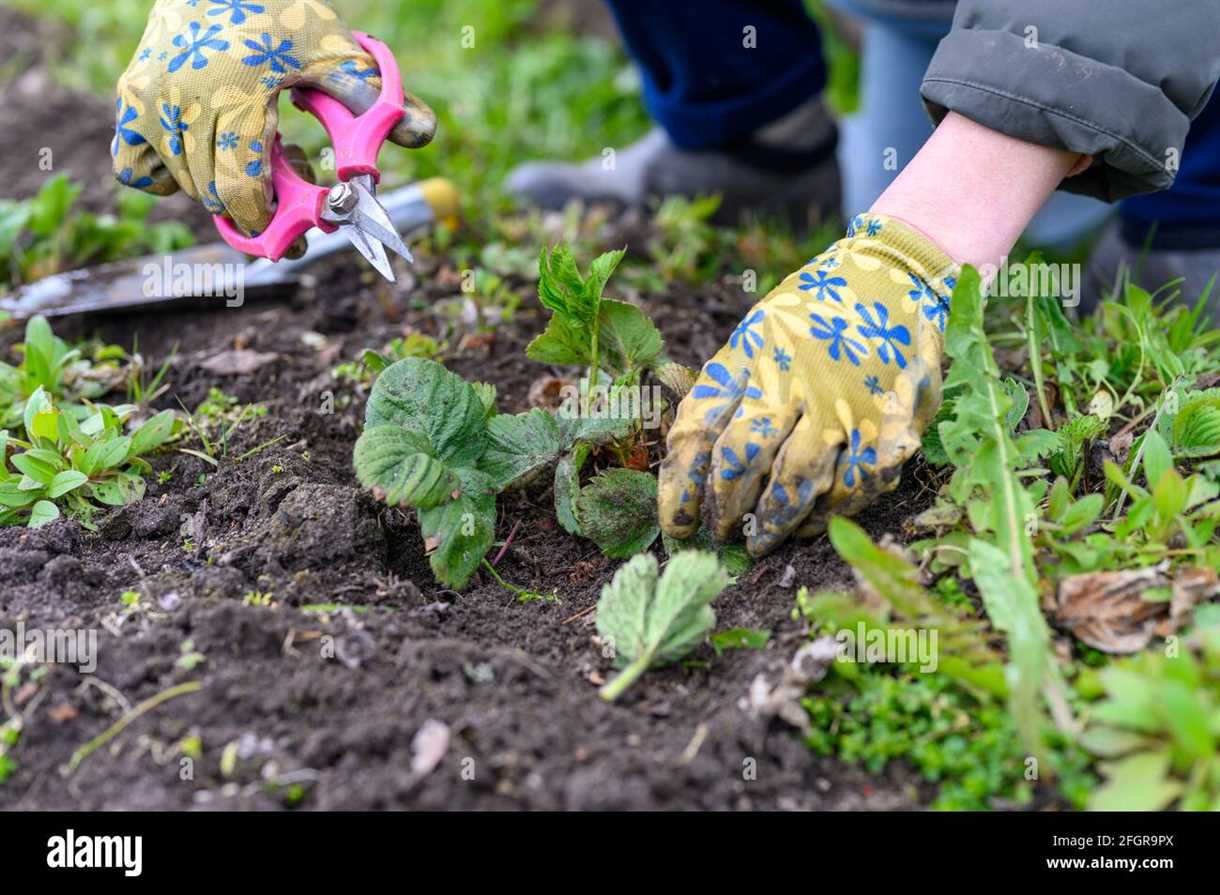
{"x": 787, "y": 169}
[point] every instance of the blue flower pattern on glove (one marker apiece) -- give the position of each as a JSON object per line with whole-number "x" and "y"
{"x": 834, "y": 331}
{"x": 731, "y": 391}
{"x": 267, "y": 52}
{"x": 822, "y": 285}
{"x": 737, "y": 466}
{"x": 195, "y": 46}
{"x": 124, "y": 115}
{"x": 886, "y": 339}
{"x": 236, "y": 9}
{"x": 746, "y": 337}
{"x": 172, "y": 123}
{"x": 858, "y": 460}
{"x": 127, "y": 178}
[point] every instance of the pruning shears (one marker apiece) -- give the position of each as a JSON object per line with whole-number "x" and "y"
{"x": 350, "y": 206}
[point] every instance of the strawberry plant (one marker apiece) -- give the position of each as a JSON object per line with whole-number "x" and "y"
{"x": 436, "y": 443}
{"x": 650, "y": 621}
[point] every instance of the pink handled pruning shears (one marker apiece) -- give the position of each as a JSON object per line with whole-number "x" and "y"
{"x": 350, "y": 205}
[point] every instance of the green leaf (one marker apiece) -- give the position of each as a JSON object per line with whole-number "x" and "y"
{"x": 68, "y": 480}
{"x": 119, "y": 490}
{"x": 12, "y": 495}
{"x": 421, "y": 396}
{"x": 1082, "y": 513}
{"x": 50, "y": 206}
{"x": 617, "y": 510}
{"x": 734, "y": 556}
{"x": 1012, "y": 605}
{"x": 1157, "y": 458}
{"x": 36, "y": 468}
{"x": 154, "y": 433}
{"x": 628, "y": 339}
{"x": 602, "y": 422}
{"x": 739, "y": 638}
{"x": 105, "y": 454}
{"x": 1111, "y": 742}
{"x": 560, "y": 343}
{"x": 1138, "y": 783}
{"x": 519, "y": 446}
{"x": 1186, "y": 715}
{"x": 43, "y": 512}
{"x": 650, "y": 622}
{"x": 397, "y": 466}
{"x": 567, "y": 487}
{"x": 1169, "y": 495}
{"x": 459, "y": 533}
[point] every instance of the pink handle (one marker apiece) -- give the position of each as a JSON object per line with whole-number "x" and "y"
{"x": 357, "y": 141}
{"x": 299, "y": 205}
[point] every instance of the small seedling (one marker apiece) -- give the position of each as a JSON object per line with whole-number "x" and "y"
{"x": 651, "y": 622}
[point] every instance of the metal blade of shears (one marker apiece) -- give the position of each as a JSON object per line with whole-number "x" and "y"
{"x": 372, "y": 250}
{"x": 370, "y": 217}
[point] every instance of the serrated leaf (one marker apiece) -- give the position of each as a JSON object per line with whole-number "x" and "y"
{"x": 421, "y": 396}
{"x": 599, "y": 423}
{"x": 459, "y": 533}
{"x": 617, "y": 510}
{"x": 627, "y": 339}
{"x": 520, "y": 445}
{"x": 397, "y": 466}
{"x": 567, "y": 486}
{"x": 650, "y": 621}
{"x": 560, "y": 343}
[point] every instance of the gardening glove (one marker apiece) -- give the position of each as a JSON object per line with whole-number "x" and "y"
{"x": 196, "y": 107}
{"x": 820, "y": 395}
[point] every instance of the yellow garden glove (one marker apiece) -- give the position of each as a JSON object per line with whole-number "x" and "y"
{"x": 196, "y": 107}
{"x": 820, "y": 395}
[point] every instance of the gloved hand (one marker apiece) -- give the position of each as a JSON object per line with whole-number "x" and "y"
{"x": 820, "y": 395}
{"x": 196, "y": 107}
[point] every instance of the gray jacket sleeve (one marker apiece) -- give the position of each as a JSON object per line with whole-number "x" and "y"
{"x": 1116, "y": 79}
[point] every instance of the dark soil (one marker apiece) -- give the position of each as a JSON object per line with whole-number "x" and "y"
{"x": 332, "y": 701}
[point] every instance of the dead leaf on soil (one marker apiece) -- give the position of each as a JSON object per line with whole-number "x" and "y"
{"x": 62, "y": 713}
{"x": 783, "y": 699}
{"x": 1120, "y": 445}
{"x": 238, "y": 362}
{"x": 548, "y": 392}
{"x": 1117, "y": 612}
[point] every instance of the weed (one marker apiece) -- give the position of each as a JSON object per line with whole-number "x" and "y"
{"x": 44, "y": 235}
